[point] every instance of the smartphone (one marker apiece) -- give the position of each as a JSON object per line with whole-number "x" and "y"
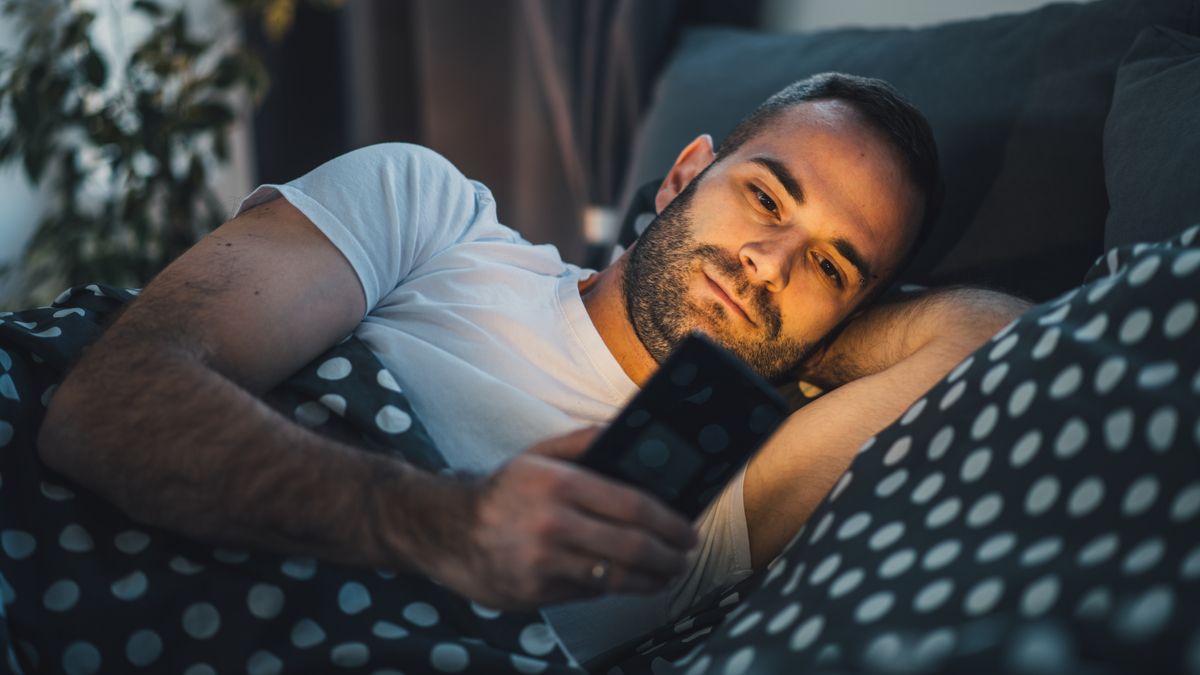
{"x": 691, "y": 428}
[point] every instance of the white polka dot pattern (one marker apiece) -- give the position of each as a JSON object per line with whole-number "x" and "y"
{"x": 104, "y": 594}
{"x": 1051, "y": 479}
{"x": 1038, "y": 503}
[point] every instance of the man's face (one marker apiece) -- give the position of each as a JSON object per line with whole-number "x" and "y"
{"x": 769, "y": 248}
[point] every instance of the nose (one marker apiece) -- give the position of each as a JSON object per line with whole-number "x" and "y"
{"x": 769, "y": 262}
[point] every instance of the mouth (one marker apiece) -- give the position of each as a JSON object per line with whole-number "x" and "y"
{"x": 728, "y": 300}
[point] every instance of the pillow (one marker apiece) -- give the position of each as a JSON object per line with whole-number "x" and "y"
{"x": 1151, "y": 144}
{"x": 1017, "y": 104}
{"x": 1035, "y": 512}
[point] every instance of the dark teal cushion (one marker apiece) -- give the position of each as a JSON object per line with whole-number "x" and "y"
{"x": 1152, "y": 139}
{"x": 1017, "y": 103}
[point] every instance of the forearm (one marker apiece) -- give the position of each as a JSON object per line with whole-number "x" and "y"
{"x": 960, "y": 319}
{"x": 177, "y": 445}
{"x": 880, "y": 366}
{"x": 800, "y": 464}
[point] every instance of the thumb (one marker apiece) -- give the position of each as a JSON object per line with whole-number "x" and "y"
{"x": 567, "y": 446}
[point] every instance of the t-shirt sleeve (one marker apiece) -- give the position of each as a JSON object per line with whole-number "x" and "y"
{"x": 388, "y": 208}
{"x": 722, "y": 557}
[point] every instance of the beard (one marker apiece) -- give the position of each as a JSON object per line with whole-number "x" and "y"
{"x": 655, "y": 286}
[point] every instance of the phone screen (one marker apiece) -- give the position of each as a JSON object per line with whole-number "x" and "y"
{"x": 691, "y": 428}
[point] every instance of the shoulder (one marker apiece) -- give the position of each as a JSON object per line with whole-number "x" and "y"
{"x": 406, "y": 157}
{"x": 418, "y": 174}
{"x": 402, "y": 179}
{"x": 401, "y": 152}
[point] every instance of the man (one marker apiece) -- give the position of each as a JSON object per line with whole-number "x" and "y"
{"x": 807, "y": 212}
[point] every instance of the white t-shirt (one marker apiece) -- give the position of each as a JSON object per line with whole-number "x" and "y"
{"x": 489, "y": 339}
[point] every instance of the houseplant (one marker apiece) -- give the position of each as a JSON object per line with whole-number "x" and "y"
{"x": 124, "y": 151}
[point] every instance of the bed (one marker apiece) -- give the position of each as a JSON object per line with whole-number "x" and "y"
{"x": 1034, "y": 512}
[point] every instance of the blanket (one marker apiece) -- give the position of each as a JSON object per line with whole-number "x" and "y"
{"x": 1036, "y": 511}
{"x": 85, "y": 589}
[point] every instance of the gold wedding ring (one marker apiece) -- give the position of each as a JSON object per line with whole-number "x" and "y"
{"x": 600, "y": 572}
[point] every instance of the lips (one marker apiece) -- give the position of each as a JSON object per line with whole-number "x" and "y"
{"x": 728, "y": 299}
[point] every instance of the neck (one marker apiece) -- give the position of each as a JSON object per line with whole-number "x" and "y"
{"x": 604, "y": 299}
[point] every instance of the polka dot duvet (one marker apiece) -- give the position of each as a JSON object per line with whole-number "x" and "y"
{"x": 87, "y": 590}
{"x": 1037, "y": 511}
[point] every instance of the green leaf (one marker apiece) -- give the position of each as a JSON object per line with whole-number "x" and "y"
{"x": 207, "y": 115}
{"x": 77, "y": 30}
{"x": 192, "y": 48}
{"x": 148, "y": 7}
{"x": 178, "y": 29}
{"x": 150, "y": 51}
{"x": 157, "y": 216}
{"x": 25, "y": 112}
{"x": 94, "y": 68}
{"x": 254, "y": 75}
{"x": 228, "y": 70}
{"x": 37, "y": 74}
{"x": 220, "y": 147}
{"x": 34, "y": 161}
{"x": 196, "y": 174}
{"x": 56, "y": 89}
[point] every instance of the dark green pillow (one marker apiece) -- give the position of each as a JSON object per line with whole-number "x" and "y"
{"x": 1017, "y": 103}
{"x": 1152, "y": 139}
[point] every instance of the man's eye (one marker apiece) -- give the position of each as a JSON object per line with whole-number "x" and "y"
{"x": 765, "y": 200}
{"x": 831, "y": 271}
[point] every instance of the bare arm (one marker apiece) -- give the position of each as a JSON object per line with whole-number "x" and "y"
{"x": 880, "y": 364}
{"x": 162, "y": 417}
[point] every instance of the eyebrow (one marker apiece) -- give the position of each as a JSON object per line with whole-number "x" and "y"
{"x": 850, "y": 253}
{"x": 783, "y": 175}
{"x": 848, "y": 250}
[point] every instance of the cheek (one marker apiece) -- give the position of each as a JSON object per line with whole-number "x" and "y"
{"x": 810, "y": 313}
{"x": 716, "y": 231}
{"x": 721, "y": 217}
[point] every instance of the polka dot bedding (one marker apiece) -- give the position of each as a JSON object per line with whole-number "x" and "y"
{"x": 87, "y": 590}
{"x": 1037, "y": 511}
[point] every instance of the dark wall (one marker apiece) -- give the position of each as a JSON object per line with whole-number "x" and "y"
{"x": 302, "y": 120}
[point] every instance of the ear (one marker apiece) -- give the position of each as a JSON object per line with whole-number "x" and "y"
{"x": 691, "y": 161}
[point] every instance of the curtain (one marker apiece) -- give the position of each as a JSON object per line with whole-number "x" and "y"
{"x": 538, "y": 99}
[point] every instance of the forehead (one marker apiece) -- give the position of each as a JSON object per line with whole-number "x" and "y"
{"x": 847, "y": 172}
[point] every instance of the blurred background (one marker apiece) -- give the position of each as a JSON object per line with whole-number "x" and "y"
{"x": 129, "y": 128}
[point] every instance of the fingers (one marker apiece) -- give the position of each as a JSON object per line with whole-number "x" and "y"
{"x": 611, "y": 499}
{"x": 574, "y": 575}
{"x": 567, "y": 446}
{"x": 632, "y": 551}
{"x": 543, "y": 524}
{"x": 627, "y": 505}
{"x": 622, "y": 579}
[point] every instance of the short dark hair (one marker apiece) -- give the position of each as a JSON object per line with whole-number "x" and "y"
{"x": 883, "y": 109}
